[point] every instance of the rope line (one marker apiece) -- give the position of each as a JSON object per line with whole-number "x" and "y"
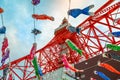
{"x": 69, "y": 9}
{"x": 34, "y": 23}
{"x": 2, "y": 20}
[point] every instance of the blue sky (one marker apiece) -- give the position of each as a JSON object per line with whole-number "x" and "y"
{"x": 19, "y": 23}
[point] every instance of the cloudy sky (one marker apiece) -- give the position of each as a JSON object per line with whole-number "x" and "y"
{"x": 19, "y": 23}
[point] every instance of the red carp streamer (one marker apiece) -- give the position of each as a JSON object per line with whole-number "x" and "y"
{"x": 42, "y": 17}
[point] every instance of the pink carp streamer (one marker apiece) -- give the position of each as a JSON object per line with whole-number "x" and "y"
{"x": 67, "y": 65}
{"x": 32, "y": 51}
{"x": 4, "y": 46}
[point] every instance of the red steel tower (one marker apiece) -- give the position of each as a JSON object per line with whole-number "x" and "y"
{"x": 94, "y": 36}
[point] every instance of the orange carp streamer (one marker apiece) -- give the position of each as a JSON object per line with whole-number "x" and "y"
{"x": 109, "y": 67}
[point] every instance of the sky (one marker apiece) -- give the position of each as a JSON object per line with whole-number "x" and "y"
{"x": 19, "y": 22}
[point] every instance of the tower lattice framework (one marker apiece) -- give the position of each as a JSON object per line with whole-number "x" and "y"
{"x": 94, "y": 36}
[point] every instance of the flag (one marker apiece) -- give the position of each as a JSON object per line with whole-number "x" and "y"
{"x": 7, "y": 52}
{"x": 35, "y": 64}
{"x": 114, "y": 34}
{"x": 42, "y": 17}
{"x": 4, "y": 45}
{"x": 113, "y": 47}
{"x": 73, "y": 46}
{"x": 102, "y": 75}
{"x": 2, "y": 30}
{"x": 109, "y": 67}
{"x": 35, "y": 2}
{"x": 76, "y": 12}
{"x": 33, "y": 50}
